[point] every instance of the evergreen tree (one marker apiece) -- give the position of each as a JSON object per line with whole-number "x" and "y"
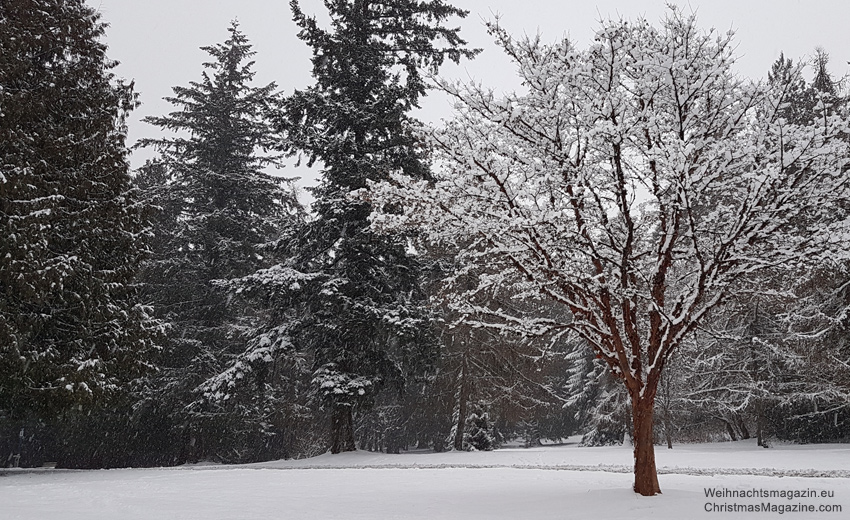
{"x": 219, "y": 211}
{"x": 365, "y": 327}
{"x": 785, "y": 74}
{"x": 71, "y": 335}
{"x": 823, "y": 84}
{"x": 598, "y": 404}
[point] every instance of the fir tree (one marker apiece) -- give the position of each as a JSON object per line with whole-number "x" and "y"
{"x": 71, "y": 335}
{"x": 365, "y": 327}
{"x": 221, "y": 210}
{"x": 786, "y": 74}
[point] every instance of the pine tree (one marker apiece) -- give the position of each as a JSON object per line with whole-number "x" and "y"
{"x": 71, "y": 334}
{"x": 823, "y": 84}
{"x": 366, "y": 327}
{"x": 786, "y": 74}
{"x": 222, "y": 210}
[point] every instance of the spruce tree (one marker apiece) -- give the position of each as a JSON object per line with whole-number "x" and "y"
{"x": 71, "y": 334}
{"x": 365, "y": 328}
{"x": 221, "y": 209}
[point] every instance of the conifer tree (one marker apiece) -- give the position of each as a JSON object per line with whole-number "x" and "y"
{"x": 365, "y": 327}
{"x": 71, "y": 335}
{"x": 223, "y": 209}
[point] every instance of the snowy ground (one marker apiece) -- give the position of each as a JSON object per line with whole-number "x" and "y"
{"x": 559, "y": 482}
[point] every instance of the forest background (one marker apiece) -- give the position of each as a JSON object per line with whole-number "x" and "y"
{"x": 193, "y": 309}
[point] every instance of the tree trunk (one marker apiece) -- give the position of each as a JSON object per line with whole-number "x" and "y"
{"x": 668, "y": 422}
{"x": 745, "y": 433}
{"x": 729, "y": 429}
{"x": 760, "y": 435}
{"x": 392, "y": 441}
{"x": 342, "y": 429}
{"x": 646, "y": 476}
{"x": 463, "y": 395}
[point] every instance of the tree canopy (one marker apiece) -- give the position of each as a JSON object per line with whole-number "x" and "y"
{"x": 636, "y": 184}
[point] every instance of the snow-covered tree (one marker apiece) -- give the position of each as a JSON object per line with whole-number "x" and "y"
{"x": 773, "y": 361}
{"x": 787, "y": 365}
{"x": 597, "y": 401}
{"x": 71, "y": 334}
{"x": 364, "y": 325}
{"x": 740, "y": 369}
{"x": 819, "y": 343}
{"x": 635, "y": 185}
{"x": 818, "y": 321}
{"x": 219, "y": 211}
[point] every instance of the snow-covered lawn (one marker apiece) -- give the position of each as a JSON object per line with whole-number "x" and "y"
{"x": 562, "y": 482}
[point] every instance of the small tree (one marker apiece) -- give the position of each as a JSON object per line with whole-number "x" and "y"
{"x": 634, "y": 184}
{"x": 597, "y": 401}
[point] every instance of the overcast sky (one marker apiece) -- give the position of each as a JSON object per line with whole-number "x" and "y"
{"x": 157, "y": 41}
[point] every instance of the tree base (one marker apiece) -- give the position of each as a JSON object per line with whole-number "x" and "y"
{"x": 646, "y": 476}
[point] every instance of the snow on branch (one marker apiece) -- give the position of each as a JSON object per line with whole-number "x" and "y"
{"x": 631, "y": 185}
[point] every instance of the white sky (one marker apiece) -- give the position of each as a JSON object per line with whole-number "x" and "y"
{"x": 157, "y": 41}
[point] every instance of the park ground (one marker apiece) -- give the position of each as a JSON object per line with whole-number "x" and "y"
{"x": 562, "y": 481}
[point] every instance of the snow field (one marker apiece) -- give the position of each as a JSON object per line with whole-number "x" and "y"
{"x": 505, "y": 484}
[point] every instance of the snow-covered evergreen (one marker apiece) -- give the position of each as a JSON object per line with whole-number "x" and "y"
{"x": 72, "y": 335}
{"x": 219, "y": 211}
{"x": 365, "y": 326}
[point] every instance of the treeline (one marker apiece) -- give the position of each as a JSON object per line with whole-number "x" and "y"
{"x": 194, "y": 310}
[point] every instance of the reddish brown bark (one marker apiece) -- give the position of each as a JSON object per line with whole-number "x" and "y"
{"x": 646, "y": 476}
